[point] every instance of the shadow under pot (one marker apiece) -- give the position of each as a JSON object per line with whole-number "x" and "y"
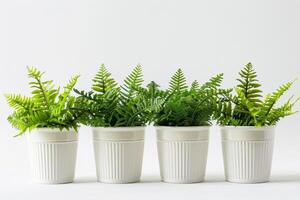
{"x": 182, "y": 153}
{"x": 119, "y": 154}
{"x": 52, "y": 155}
{"x": 247, "y": 153}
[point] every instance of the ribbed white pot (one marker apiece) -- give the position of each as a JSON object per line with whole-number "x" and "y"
{"x": 52, "y": 155}
{"x": 182, "y": 153}
{"x": 247, "y": 153}
{"x": 119, "y": 154}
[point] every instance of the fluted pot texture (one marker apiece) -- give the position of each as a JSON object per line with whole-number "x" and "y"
{"x": 182, "y": 153}
{"x": 52, "y": 155}
{"x": 247, "y": 153}
{"x": 119, "y": 154}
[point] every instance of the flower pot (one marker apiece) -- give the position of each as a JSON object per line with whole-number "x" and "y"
{"x": 247, "y": 153}
{"x": 182, "y": 153}
{"x": 52, "y": 155}
{"x": 119, "y": 154}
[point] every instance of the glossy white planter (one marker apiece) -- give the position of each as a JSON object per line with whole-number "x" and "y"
{"x": 182, "y": 153}
{"x": 119, "y": 154}
{"x": 247, "y": 153}
{"x": 52, "y": 155}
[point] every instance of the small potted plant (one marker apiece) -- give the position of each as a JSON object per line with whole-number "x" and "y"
{"x": 248, "y": 125}
{"x": 182, "y": 122}
{"x": 118, "y": 120}
{"x": 52, "y": 124}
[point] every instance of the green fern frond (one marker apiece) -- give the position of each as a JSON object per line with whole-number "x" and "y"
{"x": 285, "y": 110}
{"x": 178, "y": 82}
{"x": 194, "y": 107}
{"x": 273, "y": 98}
{"x": 45, "y": 108}
{"x": 67, "y": 90}
{"x": 19, "y": 102}
{"x": 103, "y": 81}
{"x": 214, "y": 82}
{"x": 18, "y": 121}
{"x": 247, "y": 107}
{"x": 132, "y": 83}
{"x": 223, "y": 112}
{"x": 90, "y": 96}
{"x": 34, "y": 73}
{"x": 195, "y": 86}
{"x": 151, "y": 99}
{"x": 43, "y": 92}
{"x": 64, "y": 98}
{"x": 249, "y": 84}
{"x": 69, "y": 87}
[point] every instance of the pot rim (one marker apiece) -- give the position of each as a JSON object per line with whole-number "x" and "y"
{"x": 248, "y": 127}
{"x": 118, "y": 133}
{"x": 118, "y": 129}
{"x": 248, "y": 133}
{"x": 184, "y": 127}
{"x": 52, "y": 135}
{"x": 193, "y": 133}
{"x": 52, "y": 129}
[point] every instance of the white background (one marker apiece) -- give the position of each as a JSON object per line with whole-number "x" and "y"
{"x": 65, "y": 37}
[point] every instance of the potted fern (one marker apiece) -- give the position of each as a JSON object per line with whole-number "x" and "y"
{"x": 52, "y": 124}
{"x": 182, "y": 120}
{"x": 117, "y": 118}
{"x": 248, "y": 125}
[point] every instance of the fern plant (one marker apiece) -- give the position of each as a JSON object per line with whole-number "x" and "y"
{"x": 187, "y": 106}
{"x": 46, "y": 108}
{"x": 248, "y": 108}
{"x": 111, "y": 105}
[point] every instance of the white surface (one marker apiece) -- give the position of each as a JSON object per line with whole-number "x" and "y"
{"x": 203, "y": 37}
{"x": 285, "y": 179}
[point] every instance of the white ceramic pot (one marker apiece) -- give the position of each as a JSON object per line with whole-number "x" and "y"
{"x": 247, "y": 153}
{"x": 119, "y": 154}
{"x": 182, "y": 153}
{"x": 52, "y": 155}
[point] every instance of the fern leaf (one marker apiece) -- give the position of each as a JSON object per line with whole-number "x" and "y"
{"x": 103, "y": 81}
{"x": 34, "y": 73}
{"x": 132, "y": 83}
{"x": 195, "y": 86}
{"x": 43, "y": 92}
{"x": 285, "y": 110}
{"x": 17, "y": 121}
{"x": 65, "y": 96}
{"x": 249, "y": 85}
{"x": 251, "y": 109}
{"x": 19, "y": 102}
{"x": 213, "y": 83}
{"x": 273, "y": 98}
{"x": 43, "y": 109}
{"x": 178, "y": 82}
{"x": 69, "y": 87}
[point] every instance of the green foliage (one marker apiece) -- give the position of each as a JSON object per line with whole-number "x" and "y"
{"x": 153, "y": 99}
{"x": 131, "y": 84}
{"x": 213, "y": 83}
{"x": 247, "y": 108}
{"x": 110, "y": 105}
{"x": 183, "y": 106}
{"x": 46, "y": 108}
{"x": 249, "y": 85}
{"x": 103, "y": 81}
{"x": 178, "y": 82}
